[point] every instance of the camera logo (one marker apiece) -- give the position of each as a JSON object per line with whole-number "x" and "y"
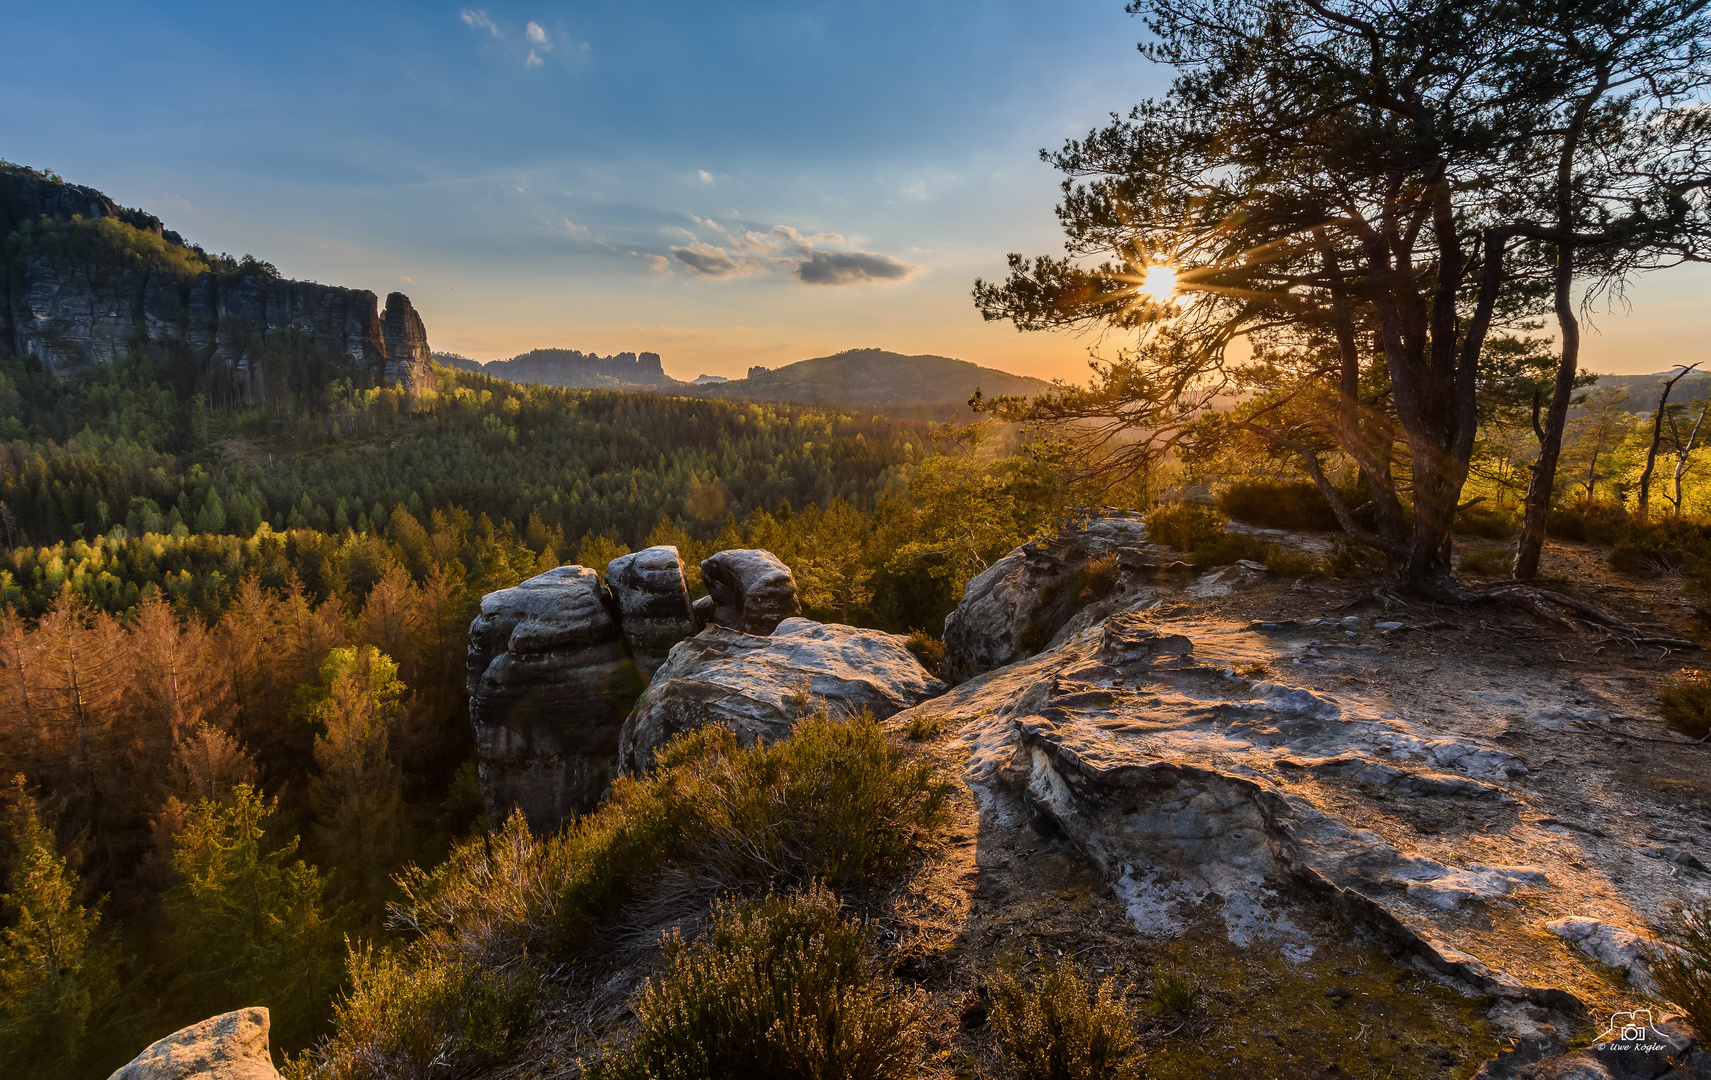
{"x": 1631, "y": 1031}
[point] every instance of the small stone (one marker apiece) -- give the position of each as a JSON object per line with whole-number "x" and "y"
{"x": 1352, "y": 622}
{"x": 1390, "y": 625}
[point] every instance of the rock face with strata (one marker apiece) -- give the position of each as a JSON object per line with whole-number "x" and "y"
{"x": 653, "y": 603}
{"x": 747, "y": 590}
{"x": 550, "y": 682}
{"x": 1024, "y": 601}
{"x": 759, "y": 686}
{"x": 71, "y": 313}
{"x": 231, "y": 1046}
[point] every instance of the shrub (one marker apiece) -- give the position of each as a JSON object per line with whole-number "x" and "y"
{"x": 1659, "y": 548}
{"x": 435, "y": 1016}
{"x": 924, "y": 726}
{"x": 929, "y": 650}
{"x": 1060, "y": 600}
{"x": 1227, "y": 548}
{"x": 1491, "y": 523}
{"x": 1185, "y": 526}
{"x": 1350, "y": 559}
{"x": 1681, "y": 963}
{"x": 1281, "y": 504}
{"x": 1175, "y": 994}
{"x": 1291, "y": 563}
{"x": 1685, "y": 702}
{"x": 1062, "y": 1029}
{"x": 1493, "y": 561}
{"x": 778, "y": 987}
{"x": 1599, "y": 522}
{"x": 834, "y": 803}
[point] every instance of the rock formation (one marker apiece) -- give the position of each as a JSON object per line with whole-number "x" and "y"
{"x": 231, "y": 1046}
{"x": 550, "y": 682}
{"x": 1022, "y": 602}
{"x": 748, "y": 590}
{"x": 69, "y": 312}
{"x": 653, "y": 603}
{"x": 759, "y": 686}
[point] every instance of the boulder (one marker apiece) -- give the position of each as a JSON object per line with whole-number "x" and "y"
{"x": 759, "y": 686}
{"x": 1030, "y": 597}
{"x": 550, "y": 682}
{"x": 231, "y": 1046}
{"x": 653, "y": 603}
{"x": 748, "y": 590}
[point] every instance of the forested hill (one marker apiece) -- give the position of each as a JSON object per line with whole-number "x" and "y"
{"x": 1644, "y": 390}
{"x": 875, "y": 377}
{"x": 923, "y": 386}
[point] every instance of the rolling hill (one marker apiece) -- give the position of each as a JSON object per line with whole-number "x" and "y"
{"x": 875, "y": 377}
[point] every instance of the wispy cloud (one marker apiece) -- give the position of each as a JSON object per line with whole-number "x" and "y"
{"x": 821, "y": 258}
{"x": 477, "y": 18}
{"x": 532, "y": 60}
{"x": 538, "y": 35}
{"x": 707, "y": 260}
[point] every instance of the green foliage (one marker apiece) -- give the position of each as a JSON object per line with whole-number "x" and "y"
{"x": 923, "y": 726}
{"x": 248, "y": 921}
{"x": 1661, "y": 547}
{"x": 1685, "y": 702}
{"x": 779, "y": 987}
{"x": 1594, "y": 522}
{"x": 835, "y": 804}
{"x": 1280, "y": 504}
{"x": 1063, "y": 1029}
{"x": 1289, "y": 563}
{"x": 53, "y": 971}
{"x": 1351, "y": 559}
{"x": 420, "y": 1017}
{"x": 1483, "y": 521}
{"x": 1681, "y": 963}
{"x": 1185, "y": 526}
{"x": 1175, "y": 994}
{"x": 356, "y": 793}
{"x": 929, "y": 650}
{"x": 1494, "y": 562}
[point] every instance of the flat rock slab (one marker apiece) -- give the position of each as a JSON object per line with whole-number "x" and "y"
{"x": 231, "y": 1046}
{"x": 1203, "y": 768}
{"x": 760, "y": 686}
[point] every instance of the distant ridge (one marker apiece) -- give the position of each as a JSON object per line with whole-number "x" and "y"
{"x": 921, "y": 385}
{"x": 571, "y": 368}
{"x": 875, "y": 377}
{"x": 1644, "y": 390}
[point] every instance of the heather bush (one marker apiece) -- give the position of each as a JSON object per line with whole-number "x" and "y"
{"x": 1491, "y": 561}
{"x": 835, "y": 804}
{"x": 1281, "y": 504}
{"x": 1063, "y": 1029}
{"x": 1681, "y": 964}
{"x": 1490, "y": 523}
{"x": 1185, "y": 526}
{"x": 777, "y": 987}
{"x": 1685, "y": 702}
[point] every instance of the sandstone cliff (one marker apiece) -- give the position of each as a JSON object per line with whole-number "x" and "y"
{"x": 87, "y": 281}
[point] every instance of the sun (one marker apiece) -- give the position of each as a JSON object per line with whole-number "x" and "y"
{"x": 1160, "y": 283}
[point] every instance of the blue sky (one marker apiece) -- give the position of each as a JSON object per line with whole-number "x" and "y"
{"x": 727, "y": 185}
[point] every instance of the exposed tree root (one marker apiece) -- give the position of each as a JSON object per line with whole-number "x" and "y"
{"x": 1569, "y": 612}
{"x": 1546, "y": 604}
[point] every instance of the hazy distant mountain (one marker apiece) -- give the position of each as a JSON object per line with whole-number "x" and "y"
{"x": 874, "y": 377}
{"x": 1643, "y": 390}
{"x": 568, "y": 367}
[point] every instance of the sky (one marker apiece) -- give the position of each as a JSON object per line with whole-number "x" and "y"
{"x": 724, "y": 184}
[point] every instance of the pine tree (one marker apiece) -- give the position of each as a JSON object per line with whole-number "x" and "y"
{"x": 356, "y": 793}
{"x": 246, "y": 921}
{"x": 51, "y": 963}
